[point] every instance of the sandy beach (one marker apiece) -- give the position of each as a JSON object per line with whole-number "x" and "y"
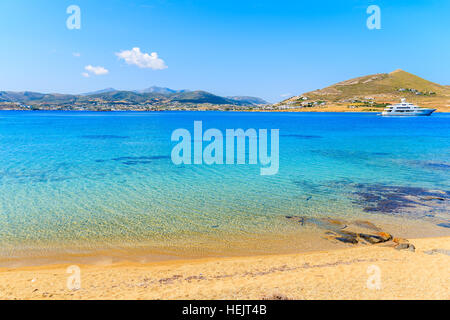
{"x": 363, "y": 272}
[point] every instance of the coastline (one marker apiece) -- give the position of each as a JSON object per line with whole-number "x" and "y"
{"x": 331, "y": 274}
{"x": 327, "y": 109}
{"x": 314, "y": 234}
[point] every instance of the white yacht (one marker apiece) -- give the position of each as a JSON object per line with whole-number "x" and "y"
{"x": 406, "y": 109}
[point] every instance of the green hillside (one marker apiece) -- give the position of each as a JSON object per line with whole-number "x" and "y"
{"x": 150, "y": 99}
{"x": 199, "y": 97}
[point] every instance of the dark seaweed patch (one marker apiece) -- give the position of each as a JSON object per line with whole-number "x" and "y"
{"x": 349, "y": 155}
{"x": 444, "y": 225}
{"x": 437, "y": 165}
{"x": 392, "y": 199}
{"x": 140, "y": 158}
{"x": 133, "y": 163}
{"x": 430, "y": 165}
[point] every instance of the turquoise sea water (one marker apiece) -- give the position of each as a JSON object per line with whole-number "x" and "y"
{"x": 82, "y": 180}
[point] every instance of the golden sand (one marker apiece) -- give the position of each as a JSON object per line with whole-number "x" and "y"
{"x": 337, "y": 274}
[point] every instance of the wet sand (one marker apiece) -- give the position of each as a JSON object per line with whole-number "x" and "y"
{"x": 332, "y": 274}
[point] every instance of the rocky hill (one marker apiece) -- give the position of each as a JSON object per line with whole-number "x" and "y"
{"x": 374, "y": 92}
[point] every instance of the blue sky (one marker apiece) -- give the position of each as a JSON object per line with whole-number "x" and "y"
{"x": 261, "y": 48}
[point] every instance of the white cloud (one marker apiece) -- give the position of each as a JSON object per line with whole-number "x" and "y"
{"x": 98, "y": 71}
{"x": 85, "y": 74}
{"x": 141, "y": 59}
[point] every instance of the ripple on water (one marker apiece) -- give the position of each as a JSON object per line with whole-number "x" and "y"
{"x": 103, "y": 137}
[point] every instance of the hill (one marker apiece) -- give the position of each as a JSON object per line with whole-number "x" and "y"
{"x": 160, "y": 90}
{"x": 99, "y": 91}
{"x": 374, "y": 92}
{"x": 153, "y": 98}
{"x": 249, "y": 100}
{"x": 119, "y": 96}
{"x": 200, "y": 97}
{"x": 9, "y": 96}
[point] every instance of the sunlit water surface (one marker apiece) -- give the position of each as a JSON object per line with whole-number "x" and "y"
{"x": 82, "y": 182}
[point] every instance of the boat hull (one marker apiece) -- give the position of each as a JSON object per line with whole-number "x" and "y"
{"x": 422, "y": 112}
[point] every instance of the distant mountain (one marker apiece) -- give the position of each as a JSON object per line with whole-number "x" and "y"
{"x": 119, "y": 96}
{"x": 27, "y": 96}
{"x": 99, "y": 91}
{"x": 199, "y": 97}
{"x": 379, "y": 88}
{"x": 249, "y": 100}
{"x": 195, "y": 97}
{"x": 151, "y": 98}
{"x": 9, "y": 96}
{"x": 160, "y": 90}
{"x": 181, "y": 96}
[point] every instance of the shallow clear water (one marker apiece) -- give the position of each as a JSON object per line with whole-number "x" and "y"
{"x": 105, "y": 180}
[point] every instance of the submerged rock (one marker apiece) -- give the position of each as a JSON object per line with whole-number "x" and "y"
{"x": 384, "y": 236}
{"x": 373, "y": 239}
{"x": 349, "y": 236}
{"x": 400, "y": 241}
{"x": 335, "y": 222}
{"x": 347, "y": 240}
{"x": 406, "y": 246}
{"x": 352, "y": 232}
{"x": 324, "y": 223}
{"x": 366, "y": 224}
{"x": 441, "y": 251}
{"x": 403, "y": 244}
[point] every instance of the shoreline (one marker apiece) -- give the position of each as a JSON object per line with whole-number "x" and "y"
{"x": 327, "y": 274}
{"x": 297, "y": 110}
{"x": 312, "y": 235}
